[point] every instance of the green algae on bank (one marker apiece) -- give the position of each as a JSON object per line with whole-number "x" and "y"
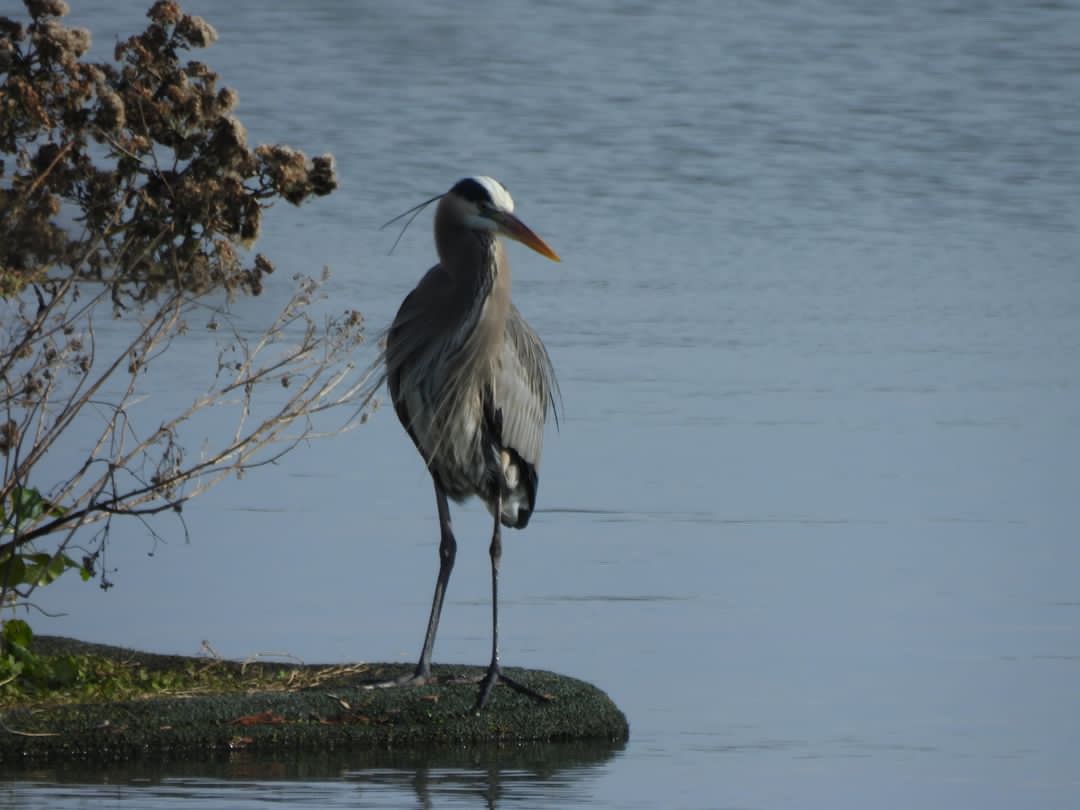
{"x": 334, "y": 708}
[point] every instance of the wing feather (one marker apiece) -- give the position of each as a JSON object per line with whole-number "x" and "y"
{"x": 525, "y": 386}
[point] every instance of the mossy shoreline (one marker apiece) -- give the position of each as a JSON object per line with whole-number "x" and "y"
{"x": 294, "y": 707}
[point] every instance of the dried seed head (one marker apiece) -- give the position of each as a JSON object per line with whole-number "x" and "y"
{"x": 94, "y": 73}
{"x": 9, "y": 436}
{"x": 110, "y": 115}
{"x": 12, "y": 30}
{"x": 226, "y": 100}
{"x": 140, "y": 143}
{"x": 58, "y": 43}
{"x": 323, "y": 176}
{"x": 80, "y": 40}
{"x": 197, "y": 31}
{"x": 286, "y": 167}
{"x": 229, "y": 144}
{"x": 250, "y": 224}
{"x": 165, "y": 12}
{"x": 46, "y": 8}
{"x": 7, "y": 54}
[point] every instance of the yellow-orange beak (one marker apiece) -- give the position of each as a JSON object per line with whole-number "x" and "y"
{"x": 520, "y": 232}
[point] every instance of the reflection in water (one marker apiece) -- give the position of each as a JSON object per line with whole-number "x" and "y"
{"x": 556, "y": 774}
{"x": 489, "y": 776}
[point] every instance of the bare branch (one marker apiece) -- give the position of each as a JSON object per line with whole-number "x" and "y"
{"x": 165, "y": 217}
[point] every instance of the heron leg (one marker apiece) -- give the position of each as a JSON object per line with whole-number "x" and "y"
{"x": 494, "y": 673}
{"x": 447, "y": 553}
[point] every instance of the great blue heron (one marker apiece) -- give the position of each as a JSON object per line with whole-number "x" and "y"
{"x": 471, "y": 383}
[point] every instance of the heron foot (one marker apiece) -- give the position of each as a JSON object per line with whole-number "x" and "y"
{"x": 417, "y": 678}
{"x": 496, "y": 675}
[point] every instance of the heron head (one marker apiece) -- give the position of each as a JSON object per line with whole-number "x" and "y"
{"x": 484, "y": 204}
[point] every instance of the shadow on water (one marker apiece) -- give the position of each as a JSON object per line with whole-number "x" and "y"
{"x": 556, "y": 773}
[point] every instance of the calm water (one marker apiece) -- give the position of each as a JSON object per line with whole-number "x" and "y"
{"x": 811, "y": 516}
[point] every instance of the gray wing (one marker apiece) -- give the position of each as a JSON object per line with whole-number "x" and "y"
{"x": 413, "y": 365}
{"x": 525, "y": 387}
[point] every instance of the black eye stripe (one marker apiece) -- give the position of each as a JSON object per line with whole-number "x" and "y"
{"x": 473, "y": 191}
{"x": 476, "y": 192}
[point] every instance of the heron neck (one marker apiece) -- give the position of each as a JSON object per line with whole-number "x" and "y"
{"x": 481, "y": 276}
{"x": 476, "y": 261}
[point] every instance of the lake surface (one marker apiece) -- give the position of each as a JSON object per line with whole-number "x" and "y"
{"x": 811, "y": 516}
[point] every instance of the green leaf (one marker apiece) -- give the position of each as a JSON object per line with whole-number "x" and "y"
{"x": 64, "y": 672}
{"x": 46, "y": 568}
{"x": 28, "y": 505}
{"x": 16, "y": 631}
{"x": 12, "y": 571}
{"x": 10, "y": 667}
